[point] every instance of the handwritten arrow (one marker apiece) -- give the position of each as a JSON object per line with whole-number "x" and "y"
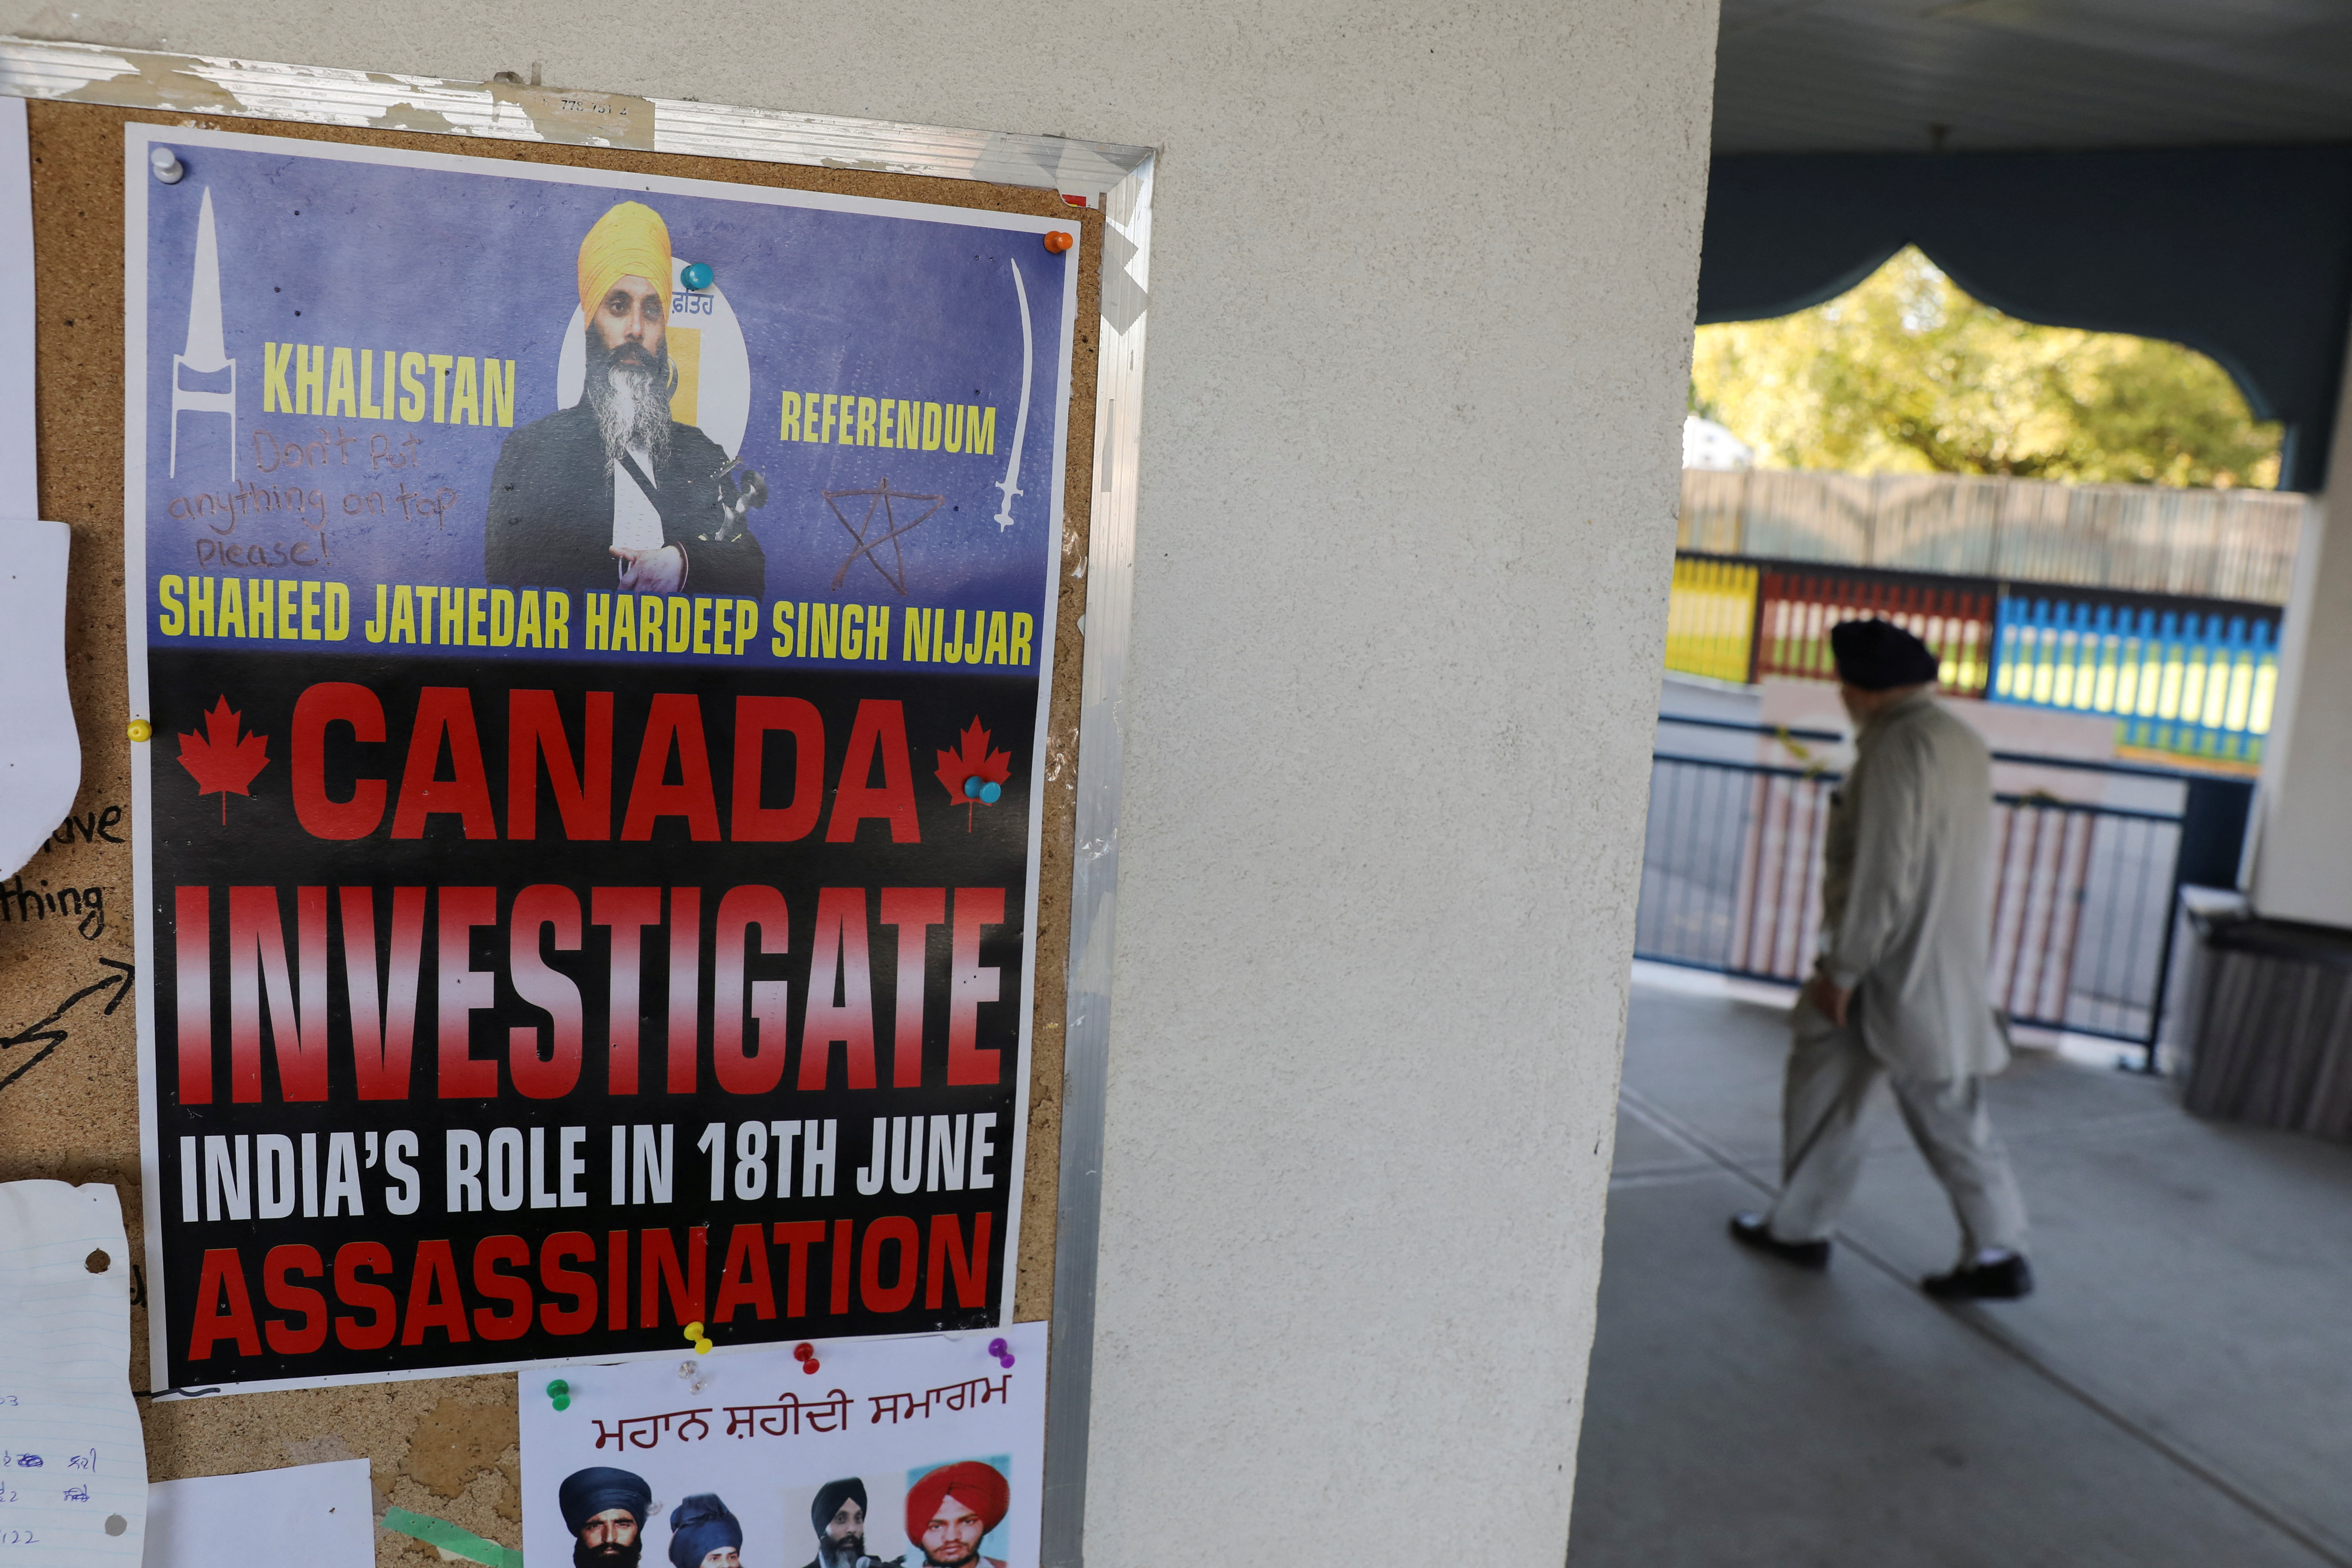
{"x": 48, "y": 1036}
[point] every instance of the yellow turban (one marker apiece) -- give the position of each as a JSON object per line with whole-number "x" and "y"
{"x": 631, "y": 241}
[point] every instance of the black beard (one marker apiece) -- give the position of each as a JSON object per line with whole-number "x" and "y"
{"x": 612, "y": 1554}
{"x": 842, "y": 1553}
{"x": 640, "y": 420}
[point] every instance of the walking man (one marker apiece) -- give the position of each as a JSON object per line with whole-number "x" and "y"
{"x": 1900, "y": 990}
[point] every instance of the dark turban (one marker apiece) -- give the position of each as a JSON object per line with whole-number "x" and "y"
{"x": 699, "y": 1526}
{"x": 1878, "y": 655}
{"x": 831, "y": 1496}
{"x": 975, "y": 1483}
{"x": 584, "y": 1494}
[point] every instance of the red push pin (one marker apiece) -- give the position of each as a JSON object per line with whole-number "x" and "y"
{"x": 1060, "y": 240}
{"x": 806, "y": 1353}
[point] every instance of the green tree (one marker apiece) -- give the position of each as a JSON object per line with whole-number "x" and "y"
{"x": 1904, "y": 373}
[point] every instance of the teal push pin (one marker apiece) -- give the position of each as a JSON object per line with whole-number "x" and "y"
{"x": 560, "y": 1392}
{"x": 697, "y": 275}
{"x": 991, "y": 792}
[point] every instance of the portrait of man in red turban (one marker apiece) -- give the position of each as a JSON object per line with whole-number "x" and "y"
{"x": 950, "y": 1510}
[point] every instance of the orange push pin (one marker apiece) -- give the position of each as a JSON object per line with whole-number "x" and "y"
{"x": 1060, "y": 240}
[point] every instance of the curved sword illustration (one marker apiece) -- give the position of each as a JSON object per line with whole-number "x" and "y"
{"x": 1010, "y": 484}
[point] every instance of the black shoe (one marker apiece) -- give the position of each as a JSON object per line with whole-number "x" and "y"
{"x": 2008, "y": 1279}
{"x": 1753, "y": 1230}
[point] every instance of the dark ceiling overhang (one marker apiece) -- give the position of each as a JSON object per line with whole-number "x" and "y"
{"x": 1971, "y": 76}
{"x": 2178, "y": 169}
{"x": 2244, "y": 254}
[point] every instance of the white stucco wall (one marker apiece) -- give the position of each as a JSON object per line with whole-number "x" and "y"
{"x": 1422, "y": 291}
{"x": 2301, "y": 856}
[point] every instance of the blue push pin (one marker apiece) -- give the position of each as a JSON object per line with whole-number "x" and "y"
{"x": 971, "y": 787}
{"x": 979, "y": 789}
{"x": 560, "y": 1392}
{"x": 991, "y": 792}
{"x": 698, "y": 275}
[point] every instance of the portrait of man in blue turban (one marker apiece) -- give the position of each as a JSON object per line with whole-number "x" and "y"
{"x": 605, "y": 1509}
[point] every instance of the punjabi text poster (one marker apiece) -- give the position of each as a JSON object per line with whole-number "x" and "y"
{"x": 923, "y": 1451}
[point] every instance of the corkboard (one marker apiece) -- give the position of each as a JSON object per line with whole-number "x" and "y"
{"x": 444, "y": 1446}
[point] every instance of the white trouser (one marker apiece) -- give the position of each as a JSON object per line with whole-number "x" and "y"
{"x": 1831, "y": 1074}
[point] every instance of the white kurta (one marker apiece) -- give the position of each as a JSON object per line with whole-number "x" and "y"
{"x": 1907, "y": 893}
{"x": 637, "y": 522}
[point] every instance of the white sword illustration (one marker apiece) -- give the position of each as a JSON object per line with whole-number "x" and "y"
{"x": 1010, "y": 484}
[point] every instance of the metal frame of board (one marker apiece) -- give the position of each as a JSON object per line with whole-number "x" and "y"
{"x": 1119, "y": 179}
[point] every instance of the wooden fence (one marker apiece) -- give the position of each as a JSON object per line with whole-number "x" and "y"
{"x": 2236, "y": 544}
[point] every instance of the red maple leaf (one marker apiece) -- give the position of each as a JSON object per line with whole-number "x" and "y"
{"x": 973, "y": 760}
{"x": 218, "y": 760}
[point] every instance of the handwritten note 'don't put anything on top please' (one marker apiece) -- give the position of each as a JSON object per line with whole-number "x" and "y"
{"x": 73, "y": 1465}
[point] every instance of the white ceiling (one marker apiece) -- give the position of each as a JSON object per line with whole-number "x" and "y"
{"x": 1875, "y": 76}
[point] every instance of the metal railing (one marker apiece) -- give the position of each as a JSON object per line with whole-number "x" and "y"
{"x": 1796, "y": 607}
{"x": 1711, "y": 619}
{"x": 2190, "y": 677}
{"x": 2181, "y": 675}
{"x": 2084, "y": 890}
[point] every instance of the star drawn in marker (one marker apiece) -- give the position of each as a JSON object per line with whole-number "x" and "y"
{"x": 880, "y": 506}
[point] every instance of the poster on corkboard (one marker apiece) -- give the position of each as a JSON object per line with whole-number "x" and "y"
{"x": 924, "y": 1451}
{"x": 594, "y": 629}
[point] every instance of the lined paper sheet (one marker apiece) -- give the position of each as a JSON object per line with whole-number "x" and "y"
{"x": 73, "y": 1462}
{"x": 317, "y": 1515}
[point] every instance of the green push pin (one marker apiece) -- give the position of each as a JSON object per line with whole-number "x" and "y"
{"x": 559, "y": 1391}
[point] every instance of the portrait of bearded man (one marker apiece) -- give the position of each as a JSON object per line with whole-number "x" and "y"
{"x": 605, "y": 1508}
{"x": 612, "y": 493}
{"x": 838, "y": 1515}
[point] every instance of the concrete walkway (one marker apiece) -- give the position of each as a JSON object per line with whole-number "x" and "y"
{"x": 2178, "y": 1392}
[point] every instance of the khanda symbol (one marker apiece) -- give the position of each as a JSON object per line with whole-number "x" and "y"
{"x": 207, "y": 356}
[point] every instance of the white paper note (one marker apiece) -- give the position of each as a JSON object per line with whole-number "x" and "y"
{"x": 19, "y": 497}
{"x": 40, "y": 751}
{"x": 317, "y": 1515}
{"x": 73, "y": 1463}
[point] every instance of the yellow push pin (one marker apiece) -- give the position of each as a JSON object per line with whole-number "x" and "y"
{"x": 141, "y": 731}
{"x": 694, "y": 1332}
